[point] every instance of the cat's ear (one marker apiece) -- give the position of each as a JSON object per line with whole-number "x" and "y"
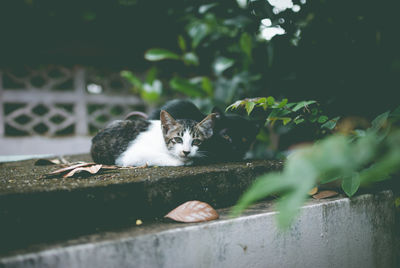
{"x": 206, "y": 126}
{"x": 218, "y": 112}
{"x": 168, "y": 123}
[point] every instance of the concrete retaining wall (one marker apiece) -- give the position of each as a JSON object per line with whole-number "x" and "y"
{"x": 333, "y": 233}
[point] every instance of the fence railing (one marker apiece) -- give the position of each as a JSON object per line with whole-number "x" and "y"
{"x": 59, "y": 102}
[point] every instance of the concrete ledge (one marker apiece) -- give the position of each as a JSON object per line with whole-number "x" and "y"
{"x": 339, "y": 232}
{"x": 35, "y": 210}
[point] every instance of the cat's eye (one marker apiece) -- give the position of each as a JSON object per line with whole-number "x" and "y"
{"x": 178, "y": 140}
{"x": 196, "y": 142}
{"x": 244, "y": 140}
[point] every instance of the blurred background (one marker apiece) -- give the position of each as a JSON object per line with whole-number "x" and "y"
{"x": 67, "y": 68}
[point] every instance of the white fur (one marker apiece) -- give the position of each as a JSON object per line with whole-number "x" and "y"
{"x": 149, "y": 148}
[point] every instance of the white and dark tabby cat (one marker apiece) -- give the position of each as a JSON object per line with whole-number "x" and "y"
{"x": 233, "y": 134}
{"x": 164, "y": 142}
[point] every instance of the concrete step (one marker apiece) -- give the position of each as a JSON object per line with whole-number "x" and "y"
{"x": 337, "y": 232}
{"x": 35, "y": 210}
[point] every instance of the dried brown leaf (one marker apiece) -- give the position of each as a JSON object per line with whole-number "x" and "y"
{"x": 193, "y": 211}
{"x": 110, "y": 167}
{"x": 91, "y": 169}
{"x": 325, "y": 194}
{"x": 62, "y": 170}
{"x": 313, "y": 191}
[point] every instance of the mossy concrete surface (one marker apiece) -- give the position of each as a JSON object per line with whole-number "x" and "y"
{"x": 34, "y": 209}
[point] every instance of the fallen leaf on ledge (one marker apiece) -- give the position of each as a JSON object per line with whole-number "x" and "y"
{"x": 325, "y": 194}
{"x": 62, "y": 170}
{"x": 193, "y": 211}
{"x": 313, "y": 191}
{"x": 110, "y": 167}
{"x": 91, "y": 169}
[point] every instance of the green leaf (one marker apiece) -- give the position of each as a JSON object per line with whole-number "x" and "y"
{"x": 395, "y": 113}
{"x": 290, "y": 105}
{"x": 151, "y": 75}
{"x": 197, "y": 31}
{"x": 286, "y": 120}
{"x": 204, "y": 8}
{"x": 186, "y": 87}
{"x": 261, "y": 100}
{"x": 298, "y": 120}
{"x": 279, "y": 113}
{"x": 379, "y": 121}
{"x": 397, "y": 202}
{"x": 289, "y": 205}
{"x": 314, "y": 111}
{"x": 207, "y": 86}
{"x": 261, "y": 188}
{"x": 331, "y": 124}
{"x": 263, "y": 136}
{"x": 151, "y": 92}
{"x": 270, "y": 121}
{"x": 298, "y": 166}
{"x": 156, "y": 54}
{"x": 270, "y": 101}
{"x": 265, "y": 106}
{"x": 190, "y": 59}
{"x": 221, "y": 64}
{"x": 181, "y": 43}
{"x": 235, "y": 105}
{"x": 246, "y": 44}
{"x": 282, "y": 103}
{"x": 322, "y": 119}
{"x": 133, "y": 79}
{"x": 302, "y": 104}
{"x": 250, "y": 106}
{"x": 328, "y": 178}
{"x": 312, "y": 118}
{"x": 351, "y": 184}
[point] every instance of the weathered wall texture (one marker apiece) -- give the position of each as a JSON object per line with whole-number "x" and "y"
{"x": 336, "y": 233}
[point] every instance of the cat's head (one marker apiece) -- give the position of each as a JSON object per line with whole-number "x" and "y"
{"x": 184, "y": 137}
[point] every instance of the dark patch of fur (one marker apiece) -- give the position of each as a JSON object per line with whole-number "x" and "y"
{"x": 113, "y": 140}
{"x": 234, "y": 136}
{"x": 179, "y": 109}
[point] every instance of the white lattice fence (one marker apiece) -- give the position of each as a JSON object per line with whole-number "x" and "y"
{"x": 60, "y": 106}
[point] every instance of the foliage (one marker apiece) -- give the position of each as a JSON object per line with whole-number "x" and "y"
{"x": 150, "y": 89}
{"x": 361, "y": 158}
{"x": 332, "y": 51}
{"x": 280, "y": 118}
{"x": 296, "y": 112}
{"x": 213, "y": 58}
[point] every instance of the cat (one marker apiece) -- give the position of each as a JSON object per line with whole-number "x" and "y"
{"x": 163, "y": 142}
{"x": 233, "y": 135}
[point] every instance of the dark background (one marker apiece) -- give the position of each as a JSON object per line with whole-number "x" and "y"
{"x": 347, "y": 57}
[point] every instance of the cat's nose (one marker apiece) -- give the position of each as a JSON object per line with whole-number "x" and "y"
{"x": 186, "y": 152}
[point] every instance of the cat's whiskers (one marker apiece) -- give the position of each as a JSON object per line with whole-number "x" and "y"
{"x": 201, "y": 154}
